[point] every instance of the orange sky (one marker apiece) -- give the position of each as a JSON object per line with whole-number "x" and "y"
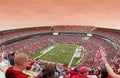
{"x": 28, "y": 13}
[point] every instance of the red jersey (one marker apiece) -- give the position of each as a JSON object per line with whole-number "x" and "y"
{"x": 79, "y": 76}
{"x": 9, "y": 55}
{"x": 11, "y": 73}
{"x": 72, "y": 72}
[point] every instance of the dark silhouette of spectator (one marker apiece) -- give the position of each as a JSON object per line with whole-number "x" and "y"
{"x": 11, "y": 59}
{"x": 104, "y": 73}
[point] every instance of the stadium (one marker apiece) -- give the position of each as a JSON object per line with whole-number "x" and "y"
{"x": 69, "y": 43}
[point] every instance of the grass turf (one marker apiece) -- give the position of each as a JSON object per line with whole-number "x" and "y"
{"x": 62, "y": 53}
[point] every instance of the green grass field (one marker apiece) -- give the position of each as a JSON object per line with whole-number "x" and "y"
{"x": 75, "y": 60}
{"x": 62, "y": 53}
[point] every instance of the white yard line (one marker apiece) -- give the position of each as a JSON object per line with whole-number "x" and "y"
{"x": 73, "y": 56}
{"x": 46, "y": 51}
{"x": 77, "y": 53}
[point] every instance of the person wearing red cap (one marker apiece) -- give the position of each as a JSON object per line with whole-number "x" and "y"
{"x": 84, "y": 72}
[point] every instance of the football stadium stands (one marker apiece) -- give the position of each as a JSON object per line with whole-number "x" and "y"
{"x": 32, "y": 40}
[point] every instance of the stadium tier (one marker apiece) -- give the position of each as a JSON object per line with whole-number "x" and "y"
{"x": 38, "y": 38}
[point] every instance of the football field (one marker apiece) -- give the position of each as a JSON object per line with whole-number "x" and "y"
{"x": 61, "y": 53}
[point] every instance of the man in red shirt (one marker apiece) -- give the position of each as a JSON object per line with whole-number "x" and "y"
{"x": 16, "y": 71}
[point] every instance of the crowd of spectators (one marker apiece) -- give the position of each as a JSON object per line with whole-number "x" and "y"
{"x": 11, "y": 34}
{"x": 32, "y": 45}
{"x": 109, "y": 33}
{"x": 22, "y": 64}
{"x": 87, "y": 68}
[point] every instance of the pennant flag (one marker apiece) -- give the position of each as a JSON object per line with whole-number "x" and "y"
{"x": 100, "y": 53}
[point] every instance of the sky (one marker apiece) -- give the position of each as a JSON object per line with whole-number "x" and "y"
{"x": 32, "y": 13}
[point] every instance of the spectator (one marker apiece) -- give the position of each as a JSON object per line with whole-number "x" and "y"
{"x": 104, "y": 73}
{"x": 4, "y": 55}
{"x": 11, "y": 59}
{"x": 91, "y": 74}
{"x": 16, "y": 71}
{"x": 48, "y": 71}
{"x": 109, "y": 69}
{"x": 84, "y": 72}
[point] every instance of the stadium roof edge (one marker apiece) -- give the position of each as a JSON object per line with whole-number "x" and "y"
{"x": 24, "y": 27}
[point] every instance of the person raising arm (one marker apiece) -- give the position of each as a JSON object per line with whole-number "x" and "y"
{"x": 109, "y": 69}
